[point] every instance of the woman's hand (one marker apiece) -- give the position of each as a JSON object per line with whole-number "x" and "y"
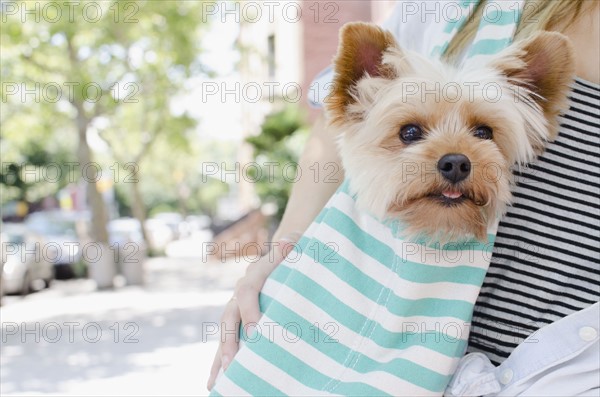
{"x": 307, "y": 199}
{"x": 244, "y": 304}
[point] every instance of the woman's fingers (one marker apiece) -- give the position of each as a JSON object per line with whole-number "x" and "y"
{"x": 248, "y": 287}
{"x": 229, "y": 341}
{"x": 214, "y": 370}
{"x": 244, "y": 307}
{"x": 246, "y": 292}
{"x": 230, "y": 326}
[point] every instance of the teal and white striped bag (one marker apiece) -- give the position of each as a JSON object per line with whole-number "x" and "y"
{"x": 356, "y": 310}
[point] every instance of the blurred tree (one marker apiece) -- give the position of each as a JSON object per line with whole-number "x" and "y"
{"x": 181, "y": 186}
{"x": 137, "y": 130}
{"x": 29, "y": 151}
{"x": 35, "y": 173}
{"x": 73, "y": 69}
{"x": 282, "y": 134}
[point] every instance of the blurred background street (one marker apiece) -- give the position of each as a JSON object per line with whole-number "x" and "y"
{"x": 151, "y": 338}
{"x": 148, "y": 150}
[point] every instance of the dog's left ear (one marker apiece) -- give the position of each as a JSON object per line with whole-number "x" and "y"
{"x": 360, "y": 53}
{"x": 545, "y": 65}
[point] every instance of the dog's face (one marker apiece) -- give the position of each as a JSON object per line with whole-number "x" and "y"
{"x": 433, "y": 145}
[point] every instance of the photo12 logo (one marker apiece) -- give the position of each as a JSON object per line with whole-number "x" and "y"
{"x": 52, "y": 92}
{"x": 290, "y": 332}
{"x": 70, "y": 11}
{"x": 67, "y": 252}
{"x": 251, "y": 92}
{"x": 494, "y": 11}
{"x": 70, "y": 172}
{"x": 325, "y": 253}
{"x": 270, "y": 11}
{"x": 253, "y": 172}
{"x": 69, "y": 331}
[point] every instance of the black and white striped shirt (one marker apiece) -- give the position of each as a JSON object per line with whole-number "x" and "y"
{"x": 546, "y": 260}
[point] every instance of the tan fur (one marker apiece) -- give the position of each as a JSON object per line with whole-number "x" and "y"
{"x": 360, "y": 52}
{"x": 544, "y": 64}
{"x": 486, "y": 190}
{"x": 371, "y": 103}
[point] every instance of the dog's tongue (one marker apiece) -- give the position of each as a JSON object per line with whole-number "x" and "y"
{"x": 451, "y": 194}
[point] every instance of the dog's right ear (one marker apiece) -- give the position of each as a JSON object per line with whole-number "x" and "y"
{"x": 544, "y": 64}
{"x": 360, "y": 53}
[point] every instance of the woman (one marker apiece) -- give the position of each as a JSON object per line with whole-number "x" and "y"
{"x": 545, "y": 262}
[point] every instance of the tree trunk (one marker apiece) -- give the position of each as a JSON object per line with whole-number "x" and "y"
{"x": 139, "y": 212}
{"x": 99, "y": 232}
{"x": 183, "y": 195}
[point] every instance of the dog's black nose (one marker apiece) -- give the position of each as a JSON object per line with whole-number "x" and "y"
{"x": 454, "y": 167}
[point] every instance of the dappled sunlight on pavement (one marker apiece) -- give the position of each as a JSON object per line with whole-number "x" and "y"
{"x": 147, "y": 340}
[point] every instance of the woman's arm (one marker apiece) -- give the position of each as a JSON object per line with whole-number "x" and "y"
{"x": 321, "y": 175}
{"x": 309, "y": 195}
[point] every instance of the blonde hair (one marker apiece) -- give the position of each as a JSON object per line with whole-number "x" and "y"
{"x": 537, "y": 15}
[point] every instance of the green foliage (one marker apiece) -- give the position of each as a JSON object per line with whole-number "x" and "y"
{"x": 280, "y": 141}
{"x": 170, "y": 176}
{"x": 35, "y": 173}
{"x": 276, "y": 128}
{"x": 138, "y": 53}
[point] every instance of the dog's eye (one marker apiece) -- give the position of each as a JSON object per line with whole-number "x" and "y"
{"x": 483, "y": 132}
{"x": 410, "y": 133}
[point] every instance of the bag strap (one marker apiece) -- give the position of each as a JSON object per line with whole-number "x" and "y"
{"x": 495, "y": 32}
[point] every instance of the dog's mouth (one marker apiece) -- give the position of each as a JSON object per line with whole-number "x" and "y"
{"x": 447, "y": 197}
{"x": 452, "y": 194}
{"x": 450, "y": 197}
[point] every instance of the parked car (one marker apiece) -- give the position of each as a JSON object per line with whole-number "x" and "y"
{"x": 195, "y": 234}
{"x": 62, "y": 234}
{"x": 159, "y": 234}
{"x": 171, "y": 219}
{"x": 196, "y": 223}
{"x": 25, "y": 266}
{"x": 125, "y": 235}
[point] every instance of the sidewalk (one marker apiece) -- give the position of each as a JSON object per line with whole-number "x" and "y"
{"x": 71, "y": 340}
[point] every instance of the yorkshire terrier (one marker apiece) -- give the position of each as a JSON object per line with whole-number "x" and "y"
{"x": 432, "y": 145}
